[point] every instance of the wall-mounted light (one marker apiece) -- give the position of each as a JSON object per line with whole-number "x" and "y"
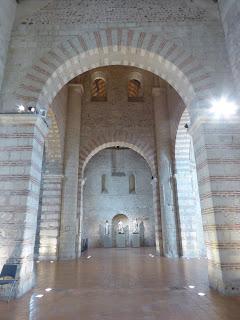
{"x": 32, "y": 109}
{"x": 223, "y": 108}
{"x": 21, "y": 108}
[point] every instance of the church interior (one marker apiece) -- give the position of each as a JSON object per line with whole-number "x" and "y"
{"x": 119, "y": 159}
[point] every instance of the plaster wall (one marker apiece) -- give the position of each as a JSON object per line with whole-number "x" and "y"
{"x": 100, "y": 206}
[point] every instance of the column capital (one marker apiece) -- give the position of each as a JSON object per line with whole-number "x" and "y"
{"x": 77, "y": 87}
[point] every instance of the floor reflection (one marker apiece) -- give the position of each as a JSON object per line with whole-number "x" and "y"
{"x": 122, "y": 284}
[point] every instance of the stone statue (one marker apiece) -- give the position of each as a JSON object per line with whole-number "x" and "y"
{"x": 135, "y": 226}
{"x": 120, "y": 227}
{"x": 107, "y": 229}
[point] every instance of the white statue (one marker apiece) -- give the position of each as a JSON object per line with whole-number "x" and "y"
{"x": 120, "y": 227}
{"x": 135, "y": 226}
{"x": 107, "y": 228}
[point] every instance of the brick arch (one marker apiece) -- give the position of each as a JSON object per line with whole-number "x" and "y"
{"x": 146, "y": 154}
{"x": 81, "y": 53}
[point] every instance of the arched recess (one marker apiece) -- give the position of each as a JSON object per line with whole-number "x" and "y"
{"x": 190, "y": 218}
{"x": 148, "y": 157}
{"x": 148, "y": 51}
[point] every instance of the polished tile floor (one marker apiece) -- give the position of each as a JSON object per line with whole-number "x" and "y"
{"x": 124, "y": 284}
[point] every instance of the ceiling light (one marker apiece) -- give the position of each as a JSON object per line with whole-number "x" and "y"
{"x": 39, "y": 296}
{"x": 48, "y": 289}
{"x": 191, "y": 287}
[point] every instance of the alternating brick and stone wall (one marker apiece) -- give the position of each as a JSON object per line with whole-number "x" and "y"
{"x": 21, "y": 144}
{"x": 217, "y": 145}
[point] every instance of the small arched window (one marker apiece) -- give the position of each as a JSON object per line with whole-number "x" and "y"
{"x": 135, "y": 87}
{"x": 98, "y": 89}
{"x": 104, "y": 184}
{"x": 132, "y": 184}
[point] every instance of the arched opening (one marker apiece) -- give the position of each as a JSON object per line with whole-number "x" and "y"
{"x": 120, "y": 231}
{"x": 98, "y": 87}
{"x": 101, "y": 211}
{"x": 67, "y": 239}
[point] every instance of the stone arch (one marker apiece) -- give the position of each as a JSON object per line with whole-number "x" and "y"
{"x": 118, "y": 46}
{"x": 147, "y": 154}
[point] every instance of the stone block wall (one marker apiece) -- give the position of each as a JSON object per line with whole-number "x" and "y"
{"x": 117, "y": 119}
{"x": 230, "y": 13}
{"x": 189, "y": 210}
{"x": 50, "y": 217}
{"x": 99, "y": 205}
{"x": 7, "y": 16}
{"x": 194, "y": 27}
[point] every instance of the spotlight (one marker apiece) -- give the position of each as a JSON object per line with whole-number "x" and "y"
{"x": 37, "y": 261}
{"x": 48, "y": 289}
{"x": 31, "y": 109}
{"x": 223, "y": 108}
{"x": 21, "y": 108}
{"x": 39, "y": 296}
{"x": 51, "y": 261}
{"x": 89, "y": 257}
{"x": 191, "y": 287}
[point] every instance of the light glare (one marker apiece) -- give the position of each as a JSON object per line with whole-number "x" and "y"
{"x": 21, "y": 108}
{"x": 191, "y": 287}
{"x": 223, "y": 108}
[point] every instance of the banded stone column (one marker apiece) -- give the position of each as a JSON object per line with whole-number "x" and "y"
{"x": 164, "y": 165}
{"x": 80, "y": 217}
{"x": 21, "y": 152}
{"x": 50, "y": 216}
{"x": 217, "y": 151}
{"x": 157, "y": 215}
{"x": 69, "y": 223}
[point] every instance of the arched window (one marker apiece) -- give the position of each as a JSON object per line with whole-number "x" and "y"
{"x": 98, "y": 87}
{"x": 132, "y": 184}
{"x": 104, "y": 184}
{"x": 135, "y": 87}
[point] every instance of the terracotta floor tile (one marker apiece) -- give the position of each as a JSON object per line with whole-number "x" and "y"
{"x": 123, "y": 284}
